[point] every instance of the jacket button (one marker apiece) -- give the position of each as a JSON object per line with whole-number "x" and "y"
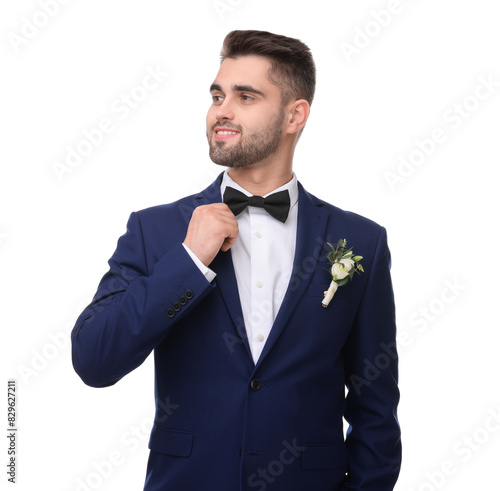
{"x": 170, "y": 312}
{"x": 189, "y": 294}
{"x": 183, "y": 300}
{"x": 176, "y": 306}
{"x": 255, "y": 384}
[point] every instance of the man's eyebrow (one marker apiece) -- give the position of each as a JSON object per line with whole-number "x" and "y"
{"x": 238, "y": 88}
{"x": 247, "y": 88}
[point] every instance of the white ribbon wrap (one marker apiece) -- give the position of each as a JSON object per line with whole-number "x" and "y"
{"x": 329, "y": 294}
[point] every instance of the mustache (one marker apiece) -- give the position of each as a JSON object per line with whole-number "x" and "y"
{"x": 226, "y": 125}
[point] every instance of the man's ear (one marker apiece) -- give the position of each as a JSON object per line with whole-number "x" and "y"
{"x": 297, "y": 114}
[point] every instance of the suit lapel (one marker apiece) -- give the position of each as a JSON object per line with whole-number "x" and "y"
{"x": 222, "y": 265}
{"x": 311, "y": 228}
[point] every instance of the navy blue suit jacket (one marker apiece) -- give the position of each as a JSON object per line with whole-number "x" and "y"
{"x": 236, "y": 426}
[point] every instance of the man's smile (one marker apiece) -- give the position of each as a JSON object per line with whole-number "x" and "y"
{"x": 225, "y": 133}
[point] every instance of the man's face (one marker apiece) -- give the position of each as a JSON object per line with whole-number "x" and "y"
{"x": 245, "y": 120}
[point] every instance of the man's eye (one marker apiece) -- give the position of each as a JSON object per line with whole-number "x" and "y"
{"x": 247, "y": 97}
{"x": 217, "y": 98}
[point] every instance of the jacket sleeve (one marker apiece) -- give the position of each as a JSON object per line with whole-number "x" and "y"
{"x": 134, "y": 308}
{"x": 371, "y": 370}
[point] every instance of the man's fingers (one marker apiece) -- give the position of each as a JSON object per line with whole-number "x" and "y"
{"x": 212, "y": 228}
{"x": 229, "y": 241}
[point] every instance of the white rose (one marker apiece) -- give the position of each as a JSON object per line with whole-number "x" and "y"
{"x": 341, "y": 269}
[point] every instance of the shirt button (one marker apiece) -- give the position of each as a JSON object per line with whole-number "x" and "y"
{"x": 258, "y": 235}
{"x": 260, "y": 337}
{"x": 259, "y": 284}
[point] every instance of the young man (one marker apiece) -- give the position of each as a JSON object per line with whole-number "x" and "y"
{"x": 226, "y": 287}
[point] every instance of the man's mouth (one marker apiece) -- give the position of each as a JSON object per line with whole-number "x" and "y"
{"x": 225, "y": 133}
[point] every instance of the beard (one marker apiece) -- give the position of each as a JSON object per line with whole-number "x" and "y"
{"x": 251, "y": 148}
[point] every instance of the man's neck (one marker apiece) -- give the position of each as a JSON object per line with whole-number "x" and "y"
{"x": 261, "y": 179}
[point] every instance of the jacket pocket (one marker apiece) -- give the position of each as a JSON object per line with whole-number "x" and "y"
{"x": 323, "y": 456}
{"x": 171, "y": 442}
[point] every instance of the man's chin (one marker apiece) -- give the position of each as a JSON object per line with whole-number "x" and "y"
{"x": 227, "y": 160}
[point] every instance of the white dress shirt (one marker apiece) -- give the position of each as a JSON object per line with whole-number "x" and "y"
{"x": 263, "y": 262}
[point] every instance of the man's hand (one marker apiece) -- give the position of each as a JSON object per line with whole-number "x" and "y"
{"x": 212, "y": 228}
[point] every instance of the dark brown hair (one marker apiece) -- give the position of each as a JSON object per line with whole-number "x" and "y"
{"x": 292, "y": 65}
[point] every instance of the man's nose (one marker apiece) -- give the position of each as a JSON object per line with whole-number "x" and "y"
{"x": 225, "y": 110}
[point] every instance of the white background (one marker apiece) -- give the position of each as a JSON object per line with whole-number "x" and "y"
{"x": 395, "y": 87}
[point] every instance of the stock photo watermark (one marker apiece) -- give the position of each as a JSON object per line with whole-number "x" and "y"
{"x": 32, "y": 26}
{"x": 264, "y": 476}
{"x": 42, "y": 356}
{"x": 421, "y": 319}
{"x": 262, "y": 311}
{"x": 367, "y": 32}
{"x": 132, "y": 439}
{"x": 59, "y": 341}
{"x": 453, "y": 118}
{"x": 428, "y": 313}
{"x": 12, "y": 444}
{"x": 120, "y": 108}
{"x": 103, "y": 469}
{"x": 222, "y": 7}
{"x": 462, "y": 451}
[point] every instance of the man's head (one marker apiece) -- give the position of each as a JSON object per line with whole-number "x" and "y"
{"x": 261, "y": 97}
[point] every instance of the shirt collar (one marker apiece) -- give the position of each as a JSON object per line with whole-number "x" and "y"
{"x": 291, "y": 186}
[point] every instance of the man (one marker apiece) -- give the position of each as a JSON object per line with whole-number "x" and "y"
{"x": 229, "y": 297}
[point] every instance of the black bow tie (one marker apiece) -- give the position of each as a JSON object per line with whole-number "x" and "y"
{"x": 277, "y": 204}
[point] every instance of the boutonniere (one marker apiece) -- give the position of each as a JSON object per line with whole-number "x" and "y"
{"x": 343, "y": 265}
